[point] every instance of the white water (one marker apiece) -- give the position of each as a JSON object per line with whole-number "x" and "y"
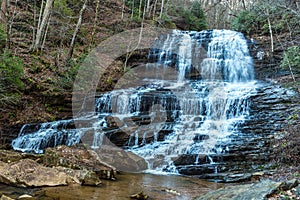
{"x": 211, "y": 106}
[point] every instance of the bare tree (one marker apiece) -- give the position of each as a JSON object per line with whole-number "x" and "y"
{"x": 123, "y": 9}
{"x": 140, "y": 8}
{"x": 4, "y": 6}
{"x": 132, "y": 9}
{"x": 95, "y": 24}
{"x": 4, "y": 19}
{"x": 161, "y": 8}
{"x": 78, "y": 25}
{"x": 129, "y": 50}
{"x": 42, "y": 24}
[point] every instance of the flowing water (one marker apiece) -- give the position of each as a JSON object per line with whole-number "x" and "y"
{"x": 194, "y": 96}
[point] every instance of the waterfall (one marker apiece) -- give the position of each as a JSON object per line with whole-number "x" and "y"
{"x": 210, "y": 108}
{"x": 183, "y": 115}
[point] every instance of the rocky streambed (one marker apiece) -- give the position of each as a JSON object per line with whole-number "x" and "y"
{"x": 81, "y": 173}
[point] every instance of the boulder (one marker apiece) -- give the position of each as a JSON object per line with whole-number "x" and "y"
{"x": 8, "y": 156}
{"x": 83, "y": 177}
{"x": 257, "y": 191}
{"x": 79, "y": 158}
{"x": 3, "y": 197}
{"x": 28, "y": 173}
{"x": 121, "y": 159}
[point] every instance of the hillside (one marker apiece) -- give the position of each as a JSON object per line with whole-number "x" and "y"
{"x": 47, "y": 75}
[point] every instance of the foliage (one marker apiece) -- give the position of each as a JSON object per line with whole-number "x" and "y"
{"x": 255, "y": 19}
{"x": 194, "y": 22}
{"x": 10, "y": 83}
{"x": 291, "y": 58}
{"x": 63, "y": 7}
{"x": 11, "y": 71}
{"x": 194, "y": 17}
{"x": 246, "y": 22}
{"x": 68, "y": 73}
{"x": 166, "y": 22}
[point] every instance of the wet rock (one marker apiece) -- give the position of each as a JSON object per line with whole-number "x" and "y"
{"x": 79, "y": 158}
{"x": 200, "y": 137}
{"x": 121, "y": 160}
{"x": 91, "y": 179}
{"x": 26, "y": 197}
{"x": 297, "y": 191}
{"x": 289, "y": 184}
{"x": 171, "y": 191}
{"x": 234, "y": 178}
{"x": 227, "y": 177}
{"x": 9, "y": 156}
{"x": 114, "y": 122}
{"x": 121, "y": 136}
{"x": 139, "y": 196}
{"x": 83, "y": 177}
{"x": 28, "y": 173}
{"x": 257, "y": 191}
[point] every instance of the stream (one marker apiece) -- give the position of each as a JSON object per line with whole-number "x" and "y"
{"x": 156, "y": 186}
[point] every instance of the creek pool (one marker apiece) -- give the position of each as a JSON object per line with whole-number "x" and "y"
{"x": 157, "y": 187}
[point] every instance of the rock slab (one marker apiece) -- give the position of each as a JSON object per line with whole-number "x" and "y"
{"x": 257, "y": 191}
{"x": 28, "y": 173}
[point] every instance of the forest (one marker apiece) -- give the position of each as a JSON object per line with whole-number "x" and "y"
{"x": 43, "y": 44}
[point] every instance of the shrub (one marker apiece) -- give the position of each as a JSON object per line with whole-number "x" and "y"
{"x": 11, "y": 70}
{"x": 291, "y": 58}
{"x": 193, "y": 17}
{"x": 11, "y": 85}
{"x": 197, "y": 18}
{"x": 255, "y": 20}
{"x": 62, "y": 7}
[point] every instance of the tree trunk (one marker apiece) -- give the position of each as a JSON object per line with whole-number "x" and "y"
{"x": 123, "y": 9}
{"x": 3, "y": 10}
{"x": 148, "y": 6}
{"x": 42, "y": 25}
{"x": 10, "y": 25}
{"x": 161, "y": 8}
{"x": 40, "y": 15}
{"x": 71, "y": 48}
{"x": 140, "y": 8}
{"x": 130, "y": 51}
{"x": 154, "y": 9}
{"x": 132, "y": 9}
{"x": 46, "y": 31}
{"x": 34, "y": 25}
{"x": 5, "y": 19}
{"x": 95, "y": 24}
{"x": 60, "y": 48}
{"x": 271, "y": 34}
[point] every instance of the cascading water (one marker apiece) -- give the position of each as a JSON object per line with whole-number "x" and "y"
{"x": 210, "y": 108}
{"x": 182, "y": 115}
